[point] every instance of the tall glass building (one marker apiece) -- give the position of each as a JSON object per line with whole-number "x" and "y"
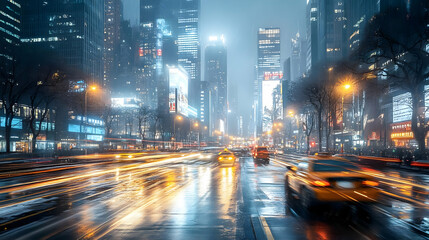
{"x": 72, "y": 29}
{"x": 269, "y": 76}
{"x": 146, "y": 70}
{"x": 216, "y": 78}
{"x": 10, "y": 30}
{"x": 188, "y": 44}
{"x": 112, "y": 40}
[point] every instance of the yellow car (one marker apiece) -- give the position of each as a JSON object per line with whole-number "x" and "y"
{"x": 329, "y": 179}
{"x": 226, "y": 157}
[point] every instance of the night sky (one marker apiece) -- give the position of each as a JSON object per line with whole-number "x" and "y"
{"x": 239, "y": 21}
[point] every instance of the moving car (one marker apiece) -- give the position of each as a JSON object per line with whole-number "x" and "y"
{"x": 261, "y": 153}
{"x": 350, "y": 157}
{"x": 226, "y": 157}
{"x": 329, "y": 179}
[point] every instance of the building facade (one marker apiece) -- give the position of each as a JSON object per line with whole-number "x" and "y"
{"x": 72, "y": 29}
{"x": 188, "y": 43}
{"x": 326, "y": 32}
{"x": 269, "y": 76}
{"x": 298, "y": 57}
{"x": 112, "y": 40}
{"x": 10, "y": 31}
{"x": 216, "y": 76}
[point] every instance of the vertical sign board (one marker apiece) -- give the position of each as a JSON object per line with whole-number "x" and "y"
{"x": 268, "y": 90}
{"x": 402, "y": 107}
{"x": 178, "y": 90}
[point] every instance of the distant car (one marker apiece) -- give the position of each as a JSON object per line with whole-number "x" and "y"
{"x": 226, "y": 157}
{"x": 237, "y": 152}
{"x": 185, "y": 150}
{"x": 321, "y": 180}
{"x": 207, "y": 154}
{"x": 279, "y": 151}
{"x": 323, "y": 154}
{"x": 261, "y": 153}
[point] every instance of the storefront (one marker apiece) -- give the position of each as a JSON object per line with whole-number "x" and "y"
{"x": 402, "y": 136}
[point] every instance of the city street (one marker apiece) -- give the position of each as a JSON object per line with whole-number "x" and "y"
{"x": 185, "y": 196}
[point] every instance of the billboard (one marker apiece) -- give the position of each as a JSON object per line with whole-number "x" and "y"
{"x": 273, "y": 75}
{"x": 402, "y": 107}
{"x": 271, "y": 103}
{"x": 178, "y": 90}
{"x": 402, "y": 110}
{"x": 124, "y": 102}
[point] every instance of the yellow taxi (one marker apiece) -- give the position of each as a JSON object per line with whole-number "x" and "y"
{"x": 322, "y": 179}
{"x": 226, "y": 157}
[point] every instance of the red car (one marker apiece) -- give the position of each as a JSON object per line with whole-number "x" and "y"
{"x": 261, "y": 153}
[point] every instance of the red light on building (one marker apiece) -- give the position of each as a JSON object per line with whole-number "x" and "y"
{"x": 141, "y": 53}
{"x": 159, "y": 52}
{"x": 273, "y": 75}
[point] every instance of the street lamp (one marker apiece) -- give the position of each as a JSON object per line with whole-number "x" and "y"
{"x": 346, "y": 87}
{"x": 87, "y": 89}
{"x": 92, "y": 88}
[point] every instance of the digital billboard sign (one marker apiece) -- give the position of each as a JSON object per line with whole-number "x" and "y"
{"x": 269, "y": 98}
{"x": 402, "y": 110}
{"x": 402, "y": 107}
{"x": 273, "y": 76}
{"x": 124, "y": 102}
{"x": 178, "y": 90}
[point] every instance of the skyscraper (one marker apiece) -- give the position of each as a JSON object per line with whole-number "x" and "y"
{"x": 326, "y": 32}
{"x": 112, "y": 40}
{"x": 10, "y": 30}
{"x": 298, "y": 57}
{"x": 269, "y": 75}
{"x": 72, "y": 29}
{"x": 189, "y": 52}
{"x": 146, "y": 84}
{"x": 157, "y": 47}
{"x": 286, "y": 83}
{"x": 216, "y": 77}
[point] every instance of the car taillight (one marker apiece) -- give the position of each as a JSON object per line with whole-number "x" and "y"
{"x": 320, "y": 183}
{"x": 370, "y": 183}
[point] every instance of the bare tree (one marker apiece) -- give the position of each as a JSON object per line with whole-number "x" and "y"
{"x": 12, "y": 90}
{"x": 42, "y": 94}
{"x": 143, "y": 118}
{"x": 307, "y": 127}
{"x": 316, "y": 90}
{"x": 108, "y": 117}
{"x": 129, "y": 122}
{"x": 395, "y": 48}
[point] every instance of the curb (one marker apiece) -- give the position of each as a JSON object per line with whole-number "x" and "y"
{"x": 260, "y": 228}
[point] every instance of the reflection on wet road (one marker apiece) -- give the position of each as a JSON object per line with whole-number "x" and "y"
{"x": 168, "y": 196}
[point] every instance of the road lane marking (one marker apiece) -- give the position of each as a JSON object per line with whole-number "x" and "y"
{"x": 266, "y": 228}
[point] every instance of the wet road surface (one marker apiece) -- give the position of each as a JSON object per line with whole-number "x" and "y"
{"x": 182, "y": 196}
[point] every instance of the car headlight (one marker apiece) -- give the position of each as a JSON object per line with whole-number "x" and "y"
{"x": 230, "y": 158}
{"x": 129, "y": 156}
{"x": 220, "y": 158}
{"x": 370, "y": 183}
{"x": 117, "y": 156}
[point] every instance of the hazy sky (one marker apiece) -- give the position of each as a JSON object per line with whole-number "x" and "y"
{"x": 238, "y": 21}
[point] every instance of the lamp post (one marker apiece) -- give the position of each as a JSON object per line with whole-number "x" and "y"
{"x": 346, "y": 87}
{"x": 92, "y": 88}
{"x": 87, "y": 89}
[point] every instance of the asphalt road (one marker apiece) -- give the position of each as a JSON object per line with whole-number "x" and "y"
{"x": 182, "y": 196}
